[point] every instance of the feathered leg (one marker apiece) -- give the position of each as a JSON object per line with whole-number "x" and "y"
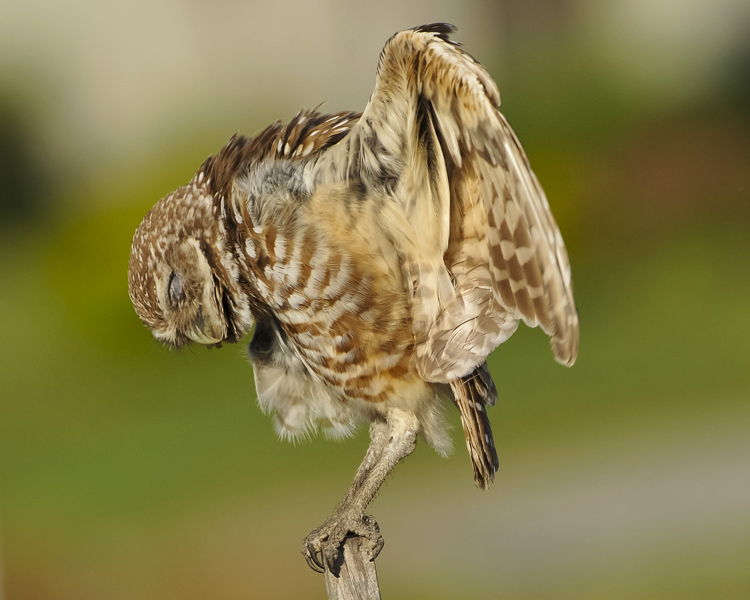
{"x": 391, "y": 440}
{"x": 473, "y": 393}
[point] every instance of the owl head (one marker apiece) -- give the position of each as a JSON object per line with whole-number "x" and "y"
{"x": 182, "y": 282}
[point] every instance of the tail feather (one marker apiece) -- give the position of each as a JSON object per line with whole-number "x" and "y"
{"x": 473, "y": 393}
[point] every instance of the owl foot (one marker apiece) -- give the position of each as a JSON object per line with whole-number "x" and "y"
{"x": 323, "y": 547}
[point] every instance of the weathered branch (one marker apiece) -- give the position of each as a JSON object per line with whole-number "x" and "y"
{"x": 356, "y": 578}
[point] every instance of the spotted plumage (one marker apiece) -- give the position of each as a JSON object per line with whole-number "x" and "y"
{"x": 381, "y": 257}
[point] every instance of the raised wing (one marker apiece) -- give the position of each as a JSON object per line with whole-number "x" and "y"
{"x": 457, "y": 196}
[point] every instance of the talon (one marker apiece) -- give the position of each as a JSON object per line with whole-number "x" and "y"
{"x": 331, "y": 554}
{"x": 328, "y": 539}
{"x": 377, "y": 548}
{"x": 315, "y": 564}
{"x": 371, "y": 534}
{"x": 311, "y": 556}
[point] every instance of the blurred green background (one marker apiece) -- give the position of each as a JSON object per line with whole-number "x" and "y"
{"x": 128, "y": 471}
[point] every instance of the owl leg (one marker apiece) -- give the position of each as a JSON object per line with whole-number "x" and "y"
{"x": 391, "y": 440}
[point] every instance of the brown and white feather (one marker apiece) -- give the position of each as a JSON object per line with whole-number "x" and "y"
{"x": 472, "y": 394}
{"x": 479, "y": 242}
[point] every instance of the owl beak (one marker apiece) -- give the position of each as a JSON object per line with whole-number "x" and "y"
{"x": 197, "y": 335}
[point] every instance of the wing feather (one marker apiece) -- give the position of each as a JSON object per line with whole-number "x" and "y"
{"x": 480, "y": 247}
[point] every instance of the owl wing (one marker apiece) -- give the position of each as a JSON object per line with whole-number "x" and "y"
{"x": 454, "y": 191}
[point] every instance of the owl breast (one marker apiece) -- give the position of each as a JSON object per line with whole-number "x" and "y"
{"x": 339, "y": 340}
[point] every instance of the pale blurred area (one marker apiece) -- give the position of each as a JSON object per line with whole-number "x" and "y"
{"x": 131, "y": 472}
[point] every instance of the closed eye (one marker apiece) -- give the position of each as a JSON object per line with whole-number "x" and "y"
{"x": 175, "y": 289}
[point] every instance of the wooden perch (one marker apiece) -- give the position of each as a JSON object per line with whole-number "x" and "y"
{"x": 357, "y": 578}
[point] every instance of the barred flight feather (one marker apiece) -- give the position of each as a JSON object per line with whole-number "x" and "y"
{"x": 473, "y": 393}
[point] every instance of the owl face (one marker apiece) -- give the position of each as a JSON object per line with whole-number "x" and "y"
{"x": 188, "y": 297}
{"x": 177, "y": 283}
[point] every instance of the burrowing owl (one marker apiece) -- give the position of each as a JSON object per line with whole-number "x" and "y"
{"x": 381, "y": 257}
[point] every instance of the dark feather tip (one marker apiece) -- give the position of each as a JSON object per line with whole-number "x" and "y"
{"x": 443, "y": 30}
